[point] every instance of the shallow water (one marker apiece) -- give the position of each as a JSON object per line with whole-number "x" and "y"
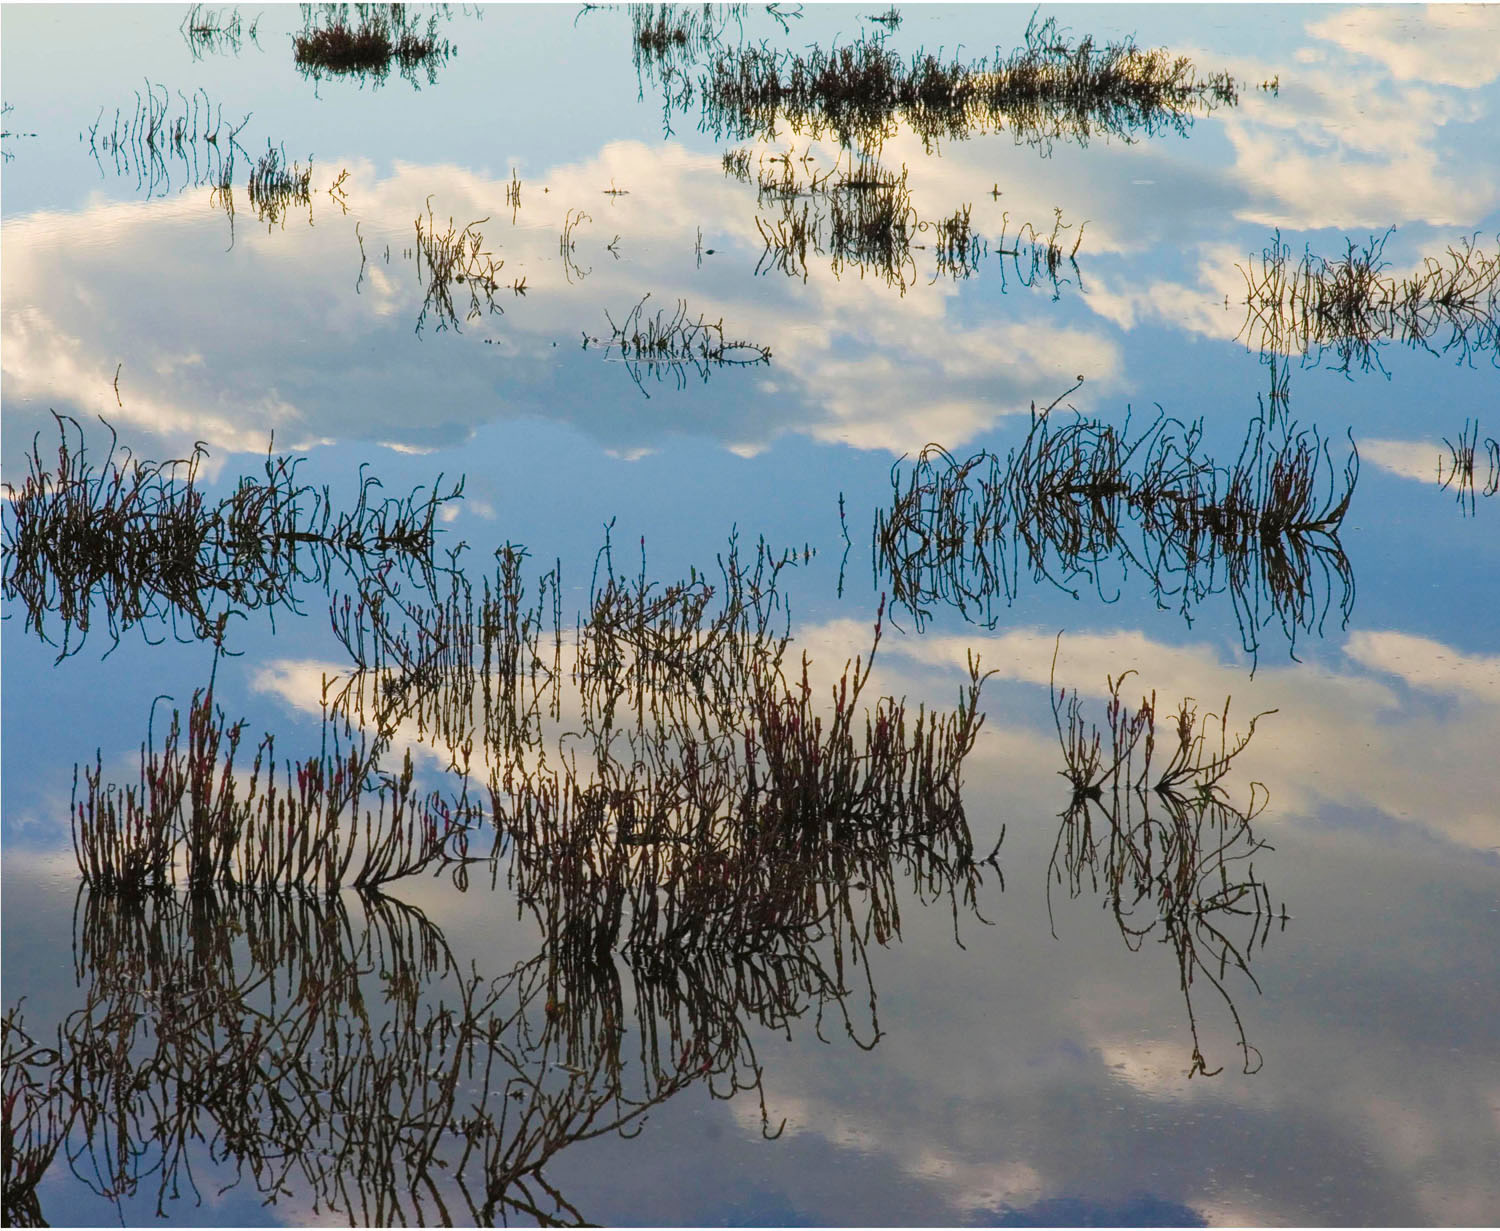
{"x": 1019, "y": 988}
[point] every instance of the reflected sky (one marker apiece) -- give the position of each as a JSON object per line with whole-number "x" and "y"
{"x": 1036, "y": 1072}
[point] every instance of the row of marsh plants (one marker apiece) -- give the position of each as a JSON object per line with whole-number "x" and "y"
{"x": 366, "y": 40}
{"x": 255, "y": 1029}
{"x": 337, "y": 1045}
{"x": 860, "y": 216}
{"x": 1050, "y": 89}
{"x": 1080, "y": 501}
{"x": 317, "y": 823}
{"x": 1462, "y": 472}
{"x": 336, "y": 1041}
{"x": 139, "y": 543}
{"x": 1151, "y": 827}
{"x": 211, "y": 31}
{"x": 156, "y": 137}
{"x": 688, "y": 735}
{"x": 671, "y": 343}
{"x": 1344, "y": 310}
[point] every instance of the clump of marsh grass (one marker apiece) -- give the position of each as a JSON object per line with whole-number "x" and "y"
{"x": 138, "y": 542}
{"x": 285, "y": 1055}
{"x": 1351, "y": 306}
{"x": 695, "y": 749}
{"x": 1150, "y": 823}
{"x": 860, "y": 215}
{"x": 210, "y": 31}
{"x": 666, "y": 40}
{"x": 276, "y": 186}
{"x": 331, "y": 820}
{"x": 455, "y": 257}
{"x": 36, "y": 1117}
{"x": 1077, "y": 497}
{"x": 1049, "y": 89}
{"x": 737, "y": 164}
{"x": 367, "y": 42}
{"x": 158, "y": 138}
{"x": 1460, "y": 473}
{"x": 675, "y": 344}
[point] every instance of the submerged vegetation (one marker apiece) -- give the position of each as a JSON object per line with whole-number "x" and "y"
{"x": 367, "y": 41}
{"x": 1151, "y": 825}
{"x": 1077, "y": 498}
{"x": 138, "y": 543}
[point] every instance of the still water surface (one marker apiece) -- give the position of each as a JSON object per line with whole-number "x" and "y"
{"x": 1140, "y": 423}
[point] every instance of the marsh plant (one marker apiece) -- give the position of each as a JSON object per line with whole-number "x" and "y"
{"x": 276, "y": 186}
{"x": 1463, "y": 473}
{"x": 1050, "y": 89}
{"x": 1151, "y": 826}
{"x": 449, "y": 258}
{"x": 318, "y": 823}
{"x": 160, "y": 137}
{"x": 139, "y": 543}
{"x": 860, "y": 216}
{"x": 210, "y": 31}
{"x": 1342, "y": 311}
{"x": 366, "y": 40}
{"x": 1080, "y": 501}
{"x": 672, "y": 343}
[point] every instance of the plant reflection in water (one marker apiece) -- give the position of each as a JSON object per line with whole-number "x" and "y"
{"x": 1078, "y": 497}
{"x": 1165, "y": 843}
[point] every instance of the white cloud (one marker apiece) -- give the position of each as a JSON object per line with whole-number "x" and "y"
{"x": 1445, "y": 44}
{"x": 1410, "y": 459}
{"x": 852, "y": 359}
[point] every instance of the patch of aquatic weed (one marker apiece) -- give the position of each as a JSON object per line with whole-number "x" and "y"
{"x": 367, "y": 41}
{"x": 450, "y": 257}
{"x": 139, "y": 543}
{"x": 326, "y": 821}
{"x": 1050, "y": 89}
{"x": 1460, "y": 471}
{"x": 209, "y": 31}
{"x": 37, "y": 1115}
{"x": 672, "y": 343}
{"x": 307, "y": 1067}
{"x": 860, "y": 215}
{"x": 1079, "y": 498}
{"x": 275, "y": 187}
{"x": 1150, "y": 824}
{"x": 1349, "y": 307}
{"x": 157, "y": 139}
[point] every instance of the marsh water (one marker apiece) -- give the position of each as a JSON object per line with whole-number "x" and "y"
{"x": 751, "y": 615}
